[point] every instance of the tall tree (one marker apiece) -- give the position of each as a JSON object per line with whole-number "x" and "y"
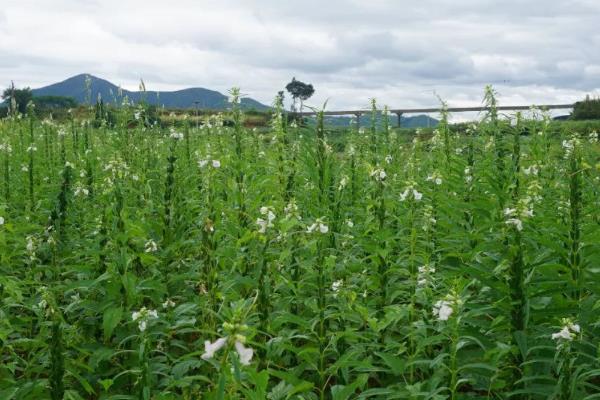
{"x": 299, "y": 91}
{"x": 17, "y": 98}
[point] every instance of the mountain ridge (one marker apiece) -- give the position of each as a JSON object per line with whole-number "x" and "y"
{"x": 193, "y": 97}
{"x": 186, "y": 98}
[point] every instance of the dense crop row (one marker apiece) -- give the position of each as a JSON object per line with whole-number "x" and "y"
{"x": 213, "y": 262}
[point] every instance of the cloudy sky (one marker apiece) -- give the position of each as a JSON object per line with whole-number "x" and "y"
{"x": 401, "y": 52}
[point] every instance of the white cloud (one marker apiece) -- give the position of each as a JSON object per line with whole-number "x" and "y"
{"x": 402, "y": 53}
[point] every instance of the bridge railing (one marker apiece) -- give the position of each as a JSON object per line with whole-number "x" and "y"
{"x": 401, "y": 111}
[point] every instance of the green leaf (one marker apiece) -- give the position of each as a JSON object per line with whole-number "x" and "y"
{"x": 341, "y": 392}
{"x": 110, "y": 320}
{"x": 396, "y": 364}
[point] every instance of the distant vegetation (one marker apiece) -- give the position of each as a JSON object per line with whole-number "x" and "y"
{"x": 17, "y": 98}
{"x": 586, "y": 109}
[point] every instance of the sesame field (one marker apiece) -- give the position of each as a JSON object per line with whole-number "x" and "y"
{"x": 214, "y": 261}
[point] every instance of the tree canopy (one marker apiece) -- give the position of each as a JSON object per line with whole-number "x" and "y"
{"x": 299, "y": 91}
{"x": 21, "y": 97}
{"x": 586, "y": 109}
{"x": 49, "y": 102}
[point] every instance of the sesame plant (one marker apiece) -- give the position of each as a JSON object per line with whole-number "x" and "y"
{"x": 212, "y": 261}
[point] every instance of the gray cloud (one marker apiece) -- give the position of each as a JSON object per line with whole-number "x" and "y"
{"x": 537, "y": 51}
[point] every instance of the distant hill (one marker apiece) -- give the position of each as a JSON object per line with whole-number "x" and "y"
{"x": 207, "y": 99}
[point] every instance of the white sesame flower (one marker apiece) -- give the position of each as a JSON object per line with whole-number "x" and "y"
{"x": 349, "y": 223}
{"x": 1, "y": 220}
{"x": 42, "y": 304}
{"x": 176, "y": 135}
{"x": 509, "y": 211}
{"x": 81, "y": 191}
{"x": 318, "y": 225}
{"x": 336, "y": 285}
{"x": 30, "y": 246}
{"x": 216, "y": 164}
{"x": 417, "y": 195}
{"x": 435, "y": 178}
{"x": 291, "y": 209}
{"x": 378, "y": 174}
{"x": 568, "y": 331}
{"x": 424, "y": 276}
{"x": 168, "y": 304}
{"x": 343, "y": 182}
{"x": 245, "y": 353}
{"x": 411, "y": 192}
{"x": 570, "y": 145}
{"x": 211, "y": 348}
{"x": 404, "y": 195}
{"x": 142, "y": 325}
{"x": 262, "y": 225}
{"x": 150, "y": 246}
{"x": 202, "y": 163}
{"x": 531, "y": 170}
{"x": 527, "y": 213}
{"x": 516, "y": 222}
{"x": 442, "y": 310}
{"x": 388, "y": 159}
{"x": 142, "y": 317}
{"x": 574, "y": 327}
{"x": 564, "y": 333}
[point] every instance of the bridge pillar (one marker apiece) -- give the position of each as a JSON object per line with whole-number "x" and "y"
{"x": 357, "y": 115}
{"x": 399, "y": 119}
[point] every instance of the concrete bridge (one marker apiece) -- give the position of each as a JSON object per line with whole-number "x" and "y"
{"x": 401, "y": 111}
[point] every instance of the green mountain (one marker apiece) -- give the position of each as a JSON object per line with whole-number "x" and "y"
{"x": 186, "y": 98}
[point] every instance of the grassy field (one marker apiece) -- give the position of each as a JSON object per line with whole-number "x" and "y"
{"x": 220, "y": 262}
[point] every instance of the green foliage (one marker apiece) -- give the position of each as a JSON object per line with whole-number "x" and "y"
{"x": 54, "y": 102}
{"x": 586, "y": 109}
{"x": 19, "y": 97}
{"x": 210, "y": 261}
